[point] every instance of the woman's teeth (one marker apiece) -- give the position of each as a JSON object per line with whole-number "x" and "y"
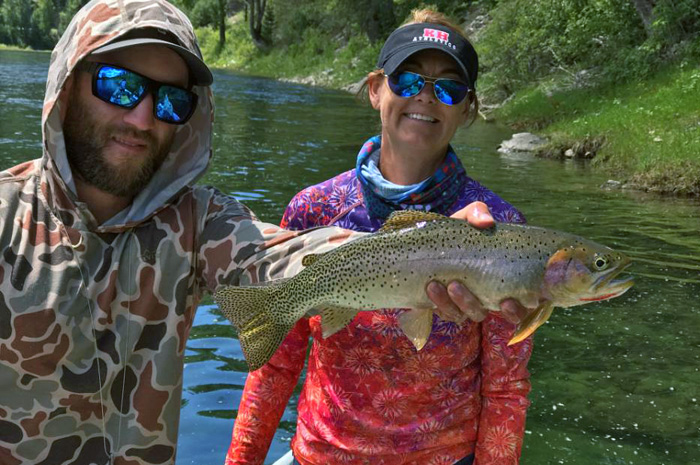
{"x": 420, "y": 117}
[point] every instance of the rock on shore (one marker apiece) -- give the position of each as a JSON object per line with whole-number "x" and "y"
{"x": 522, "y": 142}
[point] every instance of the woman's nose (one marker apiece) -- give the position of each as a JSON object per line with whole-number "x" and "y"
{"x": 427, "y": 93}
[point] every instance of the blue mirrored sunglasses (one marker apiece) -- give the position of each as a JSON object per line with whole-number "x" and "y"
{"x": 408, "y": 84}
{"x": 125, "y": 88}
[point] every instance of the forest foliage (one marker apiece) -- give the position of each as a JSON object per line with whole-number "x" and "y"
{"x": 520, "y": 41}
{"x": 588, "y": 41}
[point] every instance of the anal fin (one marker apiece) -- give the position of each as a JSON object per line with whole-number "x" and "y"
{"x": 532, "y": 321}
{"x": 416, "y": 324}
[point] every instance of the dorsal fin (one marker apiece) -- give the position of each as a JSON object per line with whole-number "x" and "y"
{"x": 310, "y": 259}
{"x": 406, "y": 218}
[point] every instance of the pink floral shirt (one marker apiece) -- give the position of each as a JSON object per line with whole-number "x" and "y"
{"x": 369, "y": 397}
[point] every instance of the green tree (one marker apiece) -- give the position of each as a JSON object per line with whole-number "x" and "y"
{"x": 43, "y": 24}
{"x": 675, "y": 21}
{"x": 210, "y": 13}
{"x": 16, "y": 21}
{"x": 376, "y": 18}
{"x": 645, "y": 10}
{"x": 67, "y": 10}
{"x": 256, "y": 13}
{"x": 527, "y": 40}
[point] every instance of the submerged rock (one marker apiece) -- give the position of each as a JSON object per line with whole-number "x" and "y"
{"x": 522, "y": 142}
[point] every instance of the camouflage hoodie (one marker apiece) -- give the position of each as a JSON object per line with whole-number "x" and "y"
{"x": 94, "y": 317}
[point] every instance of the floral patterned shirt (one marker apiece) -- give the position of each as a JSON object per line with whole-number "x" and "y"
{"x": 369, "y": 397}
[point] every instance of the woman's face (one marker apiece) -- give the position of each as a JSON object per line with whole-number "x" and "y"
{"x": 421, "y": 122}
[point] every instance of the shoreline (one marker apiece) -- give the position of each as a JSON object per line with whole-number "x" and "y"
{"x": 645, "y": 135}
{"x": 564, "y": 121}
{"x": 14, "y": 48}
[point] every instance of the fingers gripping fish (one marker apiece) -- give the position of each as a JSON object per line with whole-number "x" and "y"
{"x": 541, "y": 268}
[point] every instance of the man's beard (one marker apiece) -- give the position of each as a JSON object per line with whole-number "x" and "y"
{"x": 85, "y": 140}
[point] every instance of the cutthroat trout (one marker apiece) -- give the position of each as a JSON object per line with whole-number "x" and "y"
{"x": 541, "y": 268}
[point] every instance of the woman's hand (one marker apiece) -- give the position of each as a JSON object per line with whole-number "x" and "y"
{"x": 456, "y": 303}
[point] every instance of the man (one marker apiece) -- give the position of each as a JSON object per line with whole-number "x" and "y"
{"x": 107, "y": 247}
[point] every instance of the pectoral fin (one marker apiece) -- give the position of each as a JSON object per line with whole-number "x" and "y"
{"x": 416, "y": 325}
{"x": 533, "y": 321}
{"x": 333, "y": 319}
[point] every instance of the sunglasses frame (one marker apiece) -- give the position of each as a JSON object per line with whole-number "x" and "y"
{"x": 152, "y": 86}
{"x": 427, "y": 79}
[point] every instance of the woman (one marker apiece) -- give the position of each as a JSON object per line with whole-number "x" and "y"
{"x": 369, "y": 396}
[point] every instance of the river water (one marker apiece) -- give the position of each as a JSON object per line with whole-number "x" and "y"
{"x": 612, "y": 383}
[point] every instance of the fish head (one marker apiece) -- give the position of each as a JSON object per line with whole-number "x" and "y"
{"x": 585, "y": 272}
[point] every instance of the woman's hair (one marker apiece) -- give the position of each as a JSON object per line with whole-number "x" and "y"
{"x": 426, "y": 15}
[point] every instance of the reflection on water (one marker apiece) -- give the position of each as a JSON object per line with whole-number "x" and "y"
{"x": 613, "y": 383}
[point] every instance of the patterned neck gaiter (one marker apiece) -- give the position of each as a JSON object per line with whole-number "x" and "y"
{"x": 383, "y": 197}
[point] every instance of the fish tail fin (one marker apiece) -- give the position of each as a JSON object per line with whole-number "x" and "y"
{"x": 532, "y": 321}
{"x": 261, "y": 314}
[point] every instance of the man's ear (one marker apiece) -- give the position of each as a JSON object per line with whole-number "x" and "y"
{"x": 375, "y": 82}
{"x": 64, "y": 96}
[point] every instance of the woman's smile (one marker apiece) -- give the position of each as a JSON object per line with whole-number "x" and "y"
{"x": 421, "y": 117}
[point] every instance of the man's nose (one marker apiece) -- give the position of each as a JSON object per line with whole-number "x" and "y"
{"x": 141, "y": 116}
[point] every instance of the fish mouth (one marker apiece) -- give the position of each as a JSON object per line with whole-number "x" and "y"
{"x": 607, "y": 287}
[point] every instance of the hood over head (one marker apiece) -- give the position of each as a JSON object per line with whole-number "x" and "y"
{"x": 99, "y": 26}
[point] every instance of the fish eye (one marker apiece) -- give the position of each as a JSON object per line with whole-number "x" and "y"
{"x": 600, "y": 263}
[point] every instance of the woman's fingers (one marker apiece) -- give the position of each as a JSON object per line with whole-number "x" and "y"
{"x": 455, "y": 303}
{"x": 513, "y": 311}
{"x": 477, "y": 214}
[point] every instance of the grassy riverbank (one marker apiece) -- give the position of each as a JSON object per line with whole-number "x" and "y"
{"x": 315, "y": 59}
{"x": 14, "y": 47}
{"x": 644, "y": 131}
